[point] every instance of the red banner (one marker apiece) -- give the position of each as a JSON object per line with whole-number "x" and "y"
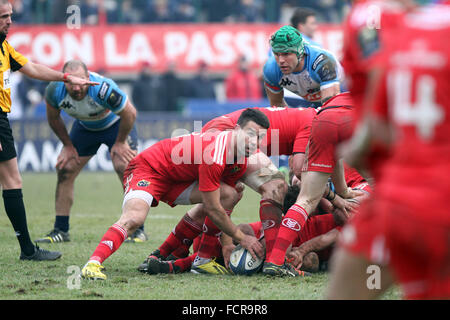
{"x": 126, "y": 47}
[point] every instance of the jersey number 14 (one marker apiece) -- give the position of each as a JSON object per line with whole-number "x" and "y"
{"x": 424, "y": 113}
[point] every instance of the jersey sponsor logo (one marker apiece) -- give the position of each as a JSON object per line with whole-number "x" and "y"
{"x": 267, "y": 224}
{"x": 114, "y": 99}
{"x": 368, "y": 41}
{"x": 319, "y": 59}
{"x": 67, "y": 105}
{"x": 143, "y": 183}
{"x": 235, "y": 169}
{"x": 286, "y": 82}
{"x": 321, "y": 165}
{"x": 328, "y": 70}
{"x": 291, "y": 224}
{"x": 103, "y": 90}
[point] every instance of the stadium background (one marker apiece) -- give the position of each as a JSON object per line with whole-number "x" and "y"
{"x": 179, "y": 53}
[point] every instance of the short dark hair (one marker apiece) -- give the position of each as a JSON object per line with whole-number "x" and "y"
{"x": 301, "y": 15}
{"x": 75, "y": 64}
{"x": 254, "y": 115}
{"x": 291, "y": 197}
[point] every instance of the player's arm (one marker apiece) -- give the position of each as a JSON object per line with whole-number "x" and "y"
{"x": 276, "y": 99}
{"x": 42, "y": 72}
{"x": 59, "y": 128}
{"x": 296, "y": 163}
{"x": 329, "y": 92}
{"x": 325, "y": 72}
{"x": 218, "y": 215}
{"x": 313, "y": 245}
{"x": 121, "y": 147}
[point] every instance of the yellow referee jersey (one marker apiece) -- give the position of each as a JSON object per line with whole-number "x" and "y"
{"x": 10, "y": 60}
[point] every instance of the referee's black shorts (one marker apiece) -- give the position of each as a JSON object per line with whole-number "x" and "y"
{"x": 6, "y": 139}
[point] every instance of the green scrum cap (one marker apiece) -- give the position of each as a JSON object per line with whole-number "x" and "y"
{"x": 287, "y": 39}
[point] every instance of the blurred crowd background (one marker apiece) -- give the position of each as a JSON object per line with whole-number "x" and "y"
{"x": 174, "y": 11}
{"x": 150, "y": 90}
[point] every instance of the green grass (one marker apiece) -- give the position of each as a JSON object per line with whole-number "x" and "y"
{"x": 98, "y": 201}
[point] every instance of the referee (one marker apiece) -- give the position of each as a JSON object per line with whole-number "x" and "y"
{"x": 10, "y": 179}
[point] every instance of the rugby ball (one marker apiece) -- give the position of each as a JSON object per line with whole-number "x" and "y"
{"x": 242, "y": 262}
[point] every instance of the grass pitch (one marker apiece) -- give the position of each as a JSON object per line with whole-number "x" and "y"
{"x": 97, "y": 205}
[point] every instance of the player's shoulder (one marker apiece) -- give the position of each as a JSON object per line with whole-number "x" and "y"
{"x": 322, "y": 65}
{"x": 271, "y": 70}
{"x": 55, "y": 92}
{"x": 105, "y": 84}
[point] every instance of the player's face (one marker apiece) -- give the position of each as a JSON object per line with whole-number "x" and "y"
{"x": 309, "y": 27}
{"x": 249, "y": 138}
{"x": 5, "y": 18}
{"x": 287, "y": 61}
{"x": 77, "y": 92}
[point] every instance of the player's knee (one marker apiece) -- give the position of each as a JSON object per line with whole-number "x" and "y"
{"x": 274, "y": 190}
{"x": 66, "y": 174}
{"x": 228, "y": 195}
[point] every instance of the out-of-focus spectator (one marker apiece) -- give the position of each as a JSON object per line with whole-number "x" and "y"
{"x": 201, "y": 85}
{"x": 184, "y": 11}
{"x": 249, "y": 11}
{"x": 171, "y": 89}
{"x": 304, "y": 20}
{"x": 89, "y": 12}
{"x": 219, "y": 10}
{"x": 21, "y": 11}
{"x": 128, "y": 13}
{"x": 159, "y": 11}
{"x": 242, "y": 83}
{"x": 146, "y": 90}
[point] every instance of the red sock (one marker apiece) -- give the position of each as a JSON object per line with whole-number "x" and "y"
{"x": 181, "y": 237}
{"x": 290, "y": 226}
{"x": 185, "y": 263}
{"x": 210, "y": 244}
{"x": 270, "y": 214}
{"x": 110, "y": 242}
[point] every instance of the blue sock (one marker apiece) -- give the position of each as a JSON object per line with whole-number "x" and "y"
{"x": 62, "y": 223}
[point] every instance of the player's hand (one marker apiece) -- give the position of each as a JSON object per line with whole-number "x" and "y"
{"x": 67, "y": 154}
{"x": 122, "y": 151}
{"x": 80, "y": 81}
{"x": 226, "y": 253}
{"x": 253, "y": 246}
{"x": 295, "y": 257}
{"x": 1, "y": 148}
{"x": 340, "y": 216}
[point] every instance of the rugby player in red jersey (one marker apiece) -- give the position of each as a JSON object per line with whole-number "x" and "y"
{"x": 403, "y": 230}
{"x": 288, "y": 135}
{"x": 331, "y": 125}
{"x": 195, "y": 168}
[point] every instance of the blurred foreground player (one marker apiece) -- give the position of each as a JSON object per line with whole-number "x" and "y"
{"x": 403, "y": 229}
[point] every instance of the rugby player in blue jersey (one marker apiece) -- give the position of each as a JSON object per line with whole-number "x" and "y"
{"x": 103, "y": 115}
{"x": 306, "y": 70}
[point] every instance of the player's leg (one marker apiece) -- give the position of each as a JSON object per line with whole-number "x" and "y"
{"x": 11, "y": 182}
{"x": 264, "y": 177}
{"x": 64, "y": 197}
{"x": 353, "y": 277}
{"x": 313, "y": 187}
{"x": 120, "y": 164}
{"x": 86, "y": 143}
{"x": 134, "y": 212}
{"x": 205, "y": 259}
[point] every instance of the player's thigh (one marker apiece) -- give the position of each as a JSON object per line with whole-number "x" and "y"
{"x": 353, "y": 277}
{"x": 9, "y": 174}
{"x": 313, "y": 184}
